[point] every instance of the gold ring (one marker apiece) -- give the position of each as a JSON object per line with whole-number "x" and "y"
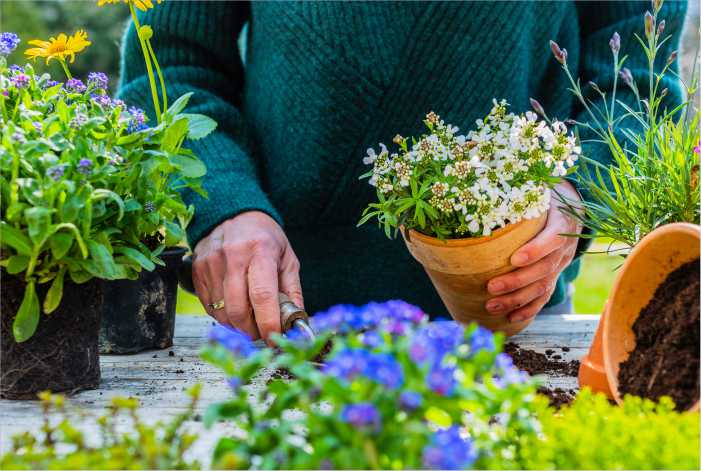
{"x": 217, "y": 305}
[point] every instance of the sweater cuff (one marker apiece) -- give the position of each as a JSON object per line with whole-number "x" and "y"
{"x": 229, "y": 194}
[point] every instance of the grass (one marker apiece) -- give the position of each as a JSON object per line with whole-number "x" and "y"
{"x": 591, "y": 287}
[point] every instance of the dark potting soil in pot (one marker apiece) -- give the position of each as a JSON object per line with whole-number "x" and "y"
{"x": 62, "y": 355}
{"x": 665, "y": 360}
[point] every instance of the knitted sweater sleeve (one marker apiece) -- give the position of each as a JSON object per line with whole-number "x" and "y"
{"x": 598, "y": 22}
{"x": 196, "y": 46}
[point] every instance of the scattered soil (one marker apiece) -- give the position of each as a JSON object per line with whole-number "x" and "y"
{"x": 558, "y": 397}
{"x": 62, "y": 355}
{"x": 535, "y": 363}
{"x": 665, "y": 360}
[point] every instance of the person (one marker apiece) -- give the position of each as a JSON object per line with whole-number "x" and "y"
{"x": 323, "y": 81}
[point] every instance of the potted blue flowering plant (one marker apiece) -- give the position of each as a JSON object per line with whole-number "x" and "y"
{"x": 465, "y": 204}
{"x": 393, "y": 392}
{"x": 89, "y": 193}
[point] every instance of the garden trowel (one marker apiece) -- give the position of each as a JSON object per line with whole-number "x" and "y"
{"x": 291, "y": 315}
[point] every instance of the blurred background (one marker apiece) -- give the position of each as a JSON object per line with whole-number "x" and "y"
{"x": 40, "y": 19}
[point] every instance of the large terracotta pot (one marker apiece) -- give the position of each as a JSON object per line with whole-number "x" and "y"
{"x": 461, "y": 268}
{"x": 646, "y": 267}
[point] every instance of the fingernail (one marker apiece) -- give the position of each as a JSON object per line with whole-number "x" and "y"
{"x": 496, "y": 287}
{"x": 519, "y": 259}
{"x": 494, "y": 306}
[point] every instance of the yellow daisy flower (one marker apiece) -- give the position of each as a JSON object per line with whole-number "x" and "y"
{"x": 142, "y": 5}
{"x": 59, "y": 48}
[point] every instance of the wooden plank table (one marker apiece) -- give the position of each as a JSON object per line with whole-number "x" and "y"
{"x": 158, "y": 378}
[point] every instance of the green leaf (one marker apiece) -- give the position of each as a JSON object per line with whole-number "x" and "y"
{"x": 101, "y": 193}
{"x": 17, "y": 264}
{"x": 102, "y": 263}
{"x": 55, "y": 293}
{"x": 38, "y": 221}
{"x": 199, "y": 125}
{"x": 27, "y": 319}
{"x": 136, "y": 256}
{"x": 15, "y": 238}
{"x": 174, "y": 234}
{"x": 178, "y": 105}
{"x": 191, "y": 167}
{"x": 174, "y": 134}
{"x": 60, "y": 243}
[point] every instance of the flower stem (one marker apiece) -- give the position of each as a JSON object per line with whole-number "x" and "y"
{"x": 147, "y": 60}
{"x": 160, "y": 75}
{"x": 65, "y": 69}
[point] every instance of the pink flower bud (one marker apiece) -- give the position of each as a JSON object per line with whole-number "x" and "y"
{"x": 649, "y": 23}
{"x": 660, "y": 27}
{"x": 537, "y": 107}
{"x": 615, "y": 43}
{"x": 560, "y": 54}
{"x": 672, "y": 57}
{"x": 626, "y": 76}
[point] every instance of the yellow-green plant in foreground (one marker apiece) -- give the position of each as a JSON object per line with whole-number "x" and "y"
{"x": 61, "y": 445}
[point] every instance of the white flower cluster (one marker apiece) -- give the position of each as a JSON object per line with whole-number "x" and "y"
{"x": 500, "y": 173}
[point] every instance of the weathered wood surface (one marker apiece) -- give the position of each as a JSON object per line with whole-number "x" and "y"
{"x": 158, "y": 379}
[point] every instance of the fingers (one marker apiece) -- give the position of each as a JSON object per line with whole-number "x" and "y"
{"x": 546, "y": 242}
{"x": 289, "y": 278}
{"x": 215, "y": 272}
{"x": 529, "y": 310}
{"x": 519, "y": 278}
{"x": 522, "y": 297}
{"x": 263, "y": 293}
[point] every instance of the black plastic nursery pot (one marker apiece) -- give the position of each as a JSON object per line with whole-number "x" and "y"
{"x": 140, "y": 314}
{"x": 62, "y": 355}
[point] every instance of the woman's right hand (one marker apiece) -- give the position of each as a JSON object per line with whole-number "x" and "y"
{"x": 245, "y": 262}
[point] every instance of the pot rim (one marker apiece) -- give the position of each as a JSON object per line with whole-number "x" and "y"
{"x": 468, "y": 241}
{"x": 641, "y": 247}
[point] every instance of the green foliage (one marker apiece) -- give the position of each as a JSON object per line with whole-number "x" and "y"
{"x": 593, "y": 434}
{"x": 87, "y": 188}
{"x": 653, "y": 178}
{"x": 61, "y": 445}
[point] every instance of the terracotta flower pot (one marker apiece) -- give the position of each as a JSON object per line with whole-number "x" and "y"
{"x": 648, "y": 265}
{"x": 461, "y": 268}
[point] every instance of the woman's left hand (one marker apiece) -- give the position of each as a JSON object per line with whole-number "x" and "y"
{"x": 523, "y": 292}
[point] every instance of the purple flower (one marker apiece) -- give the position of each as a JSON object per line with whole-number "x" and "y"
{"x": 234, "y": 383}
{"x": 372, "y": 339}
{"x": 76, "y": 85}
{"x": 138, "y": 119}
{"x": 15, "y": 69}
{"x": 37, "y": 126}
{"x": 98, "y": 80}
{"x": 384, "y": 369}
{"x": 79, "y": 120}
{"x": 118, "y": 103}
{"x": 432, "y": 341}
{"x": 560, "y": 54}
{"x": 410, "y": 400}
{"x": 56, "y": 172}
{"x": 85, "y": 166}
{"x": 482, "y": 339}
{"x": 362, "y": 415}
{"x": 8, "y": 43}
{"x": 233, "y": 340}
{"x": 20, "y": 80}
{"x": 507, "y": 373}
{"x": 626, "y": 76}
{"x": 441, "y": 380}
{"x": 697, "y": 149}
{"x": 5, "y": 93}
{"x": 102, "y": 100}
{"x": 347, "y": 364}
{"x": 537, "y": 107}
{"x": 50, "y": 83}
{"x": 18, "y": 136}
{"x": 448, "y": 450}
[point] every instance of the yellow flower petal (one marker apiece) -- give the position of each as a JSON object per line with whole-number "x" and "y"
{"x": 59, "y": 47}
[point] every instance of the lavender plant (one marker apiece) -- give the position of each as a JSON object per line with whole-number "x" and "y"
{"x": 393, "y": 392}
{"x": 653, "y": 177}
{"x": 88, "y": 188}
{"x": 450, "y": 186}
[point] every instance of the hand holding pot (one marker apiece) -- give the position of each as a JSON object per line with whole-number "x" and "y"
{"x": 245, "y": 262}
{"x": 524, "y": 292}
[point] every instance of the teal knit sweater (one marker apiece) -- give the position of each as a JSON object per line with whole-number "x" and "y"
{"x": 323, "y": 81}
